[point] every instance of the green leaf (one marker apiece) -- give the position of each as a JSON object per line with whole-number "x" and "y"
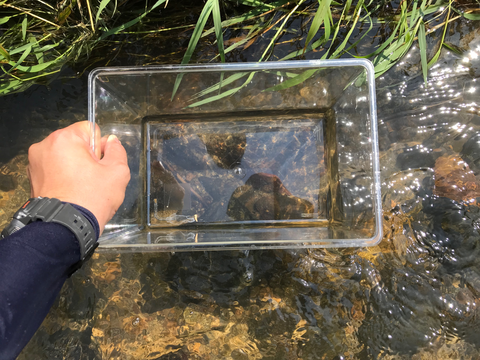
{"x": 256, "y": 4}
{"x": 215, "y": 98}
{"x": 23, "y": 57}
{"x": 431, "y": 9}
{"x": 217, "y": 22}
{"x": 227, "y": 81}
{"x": 471, "y": 16}
{"x": 197, "y": 32}
{"x": 327, "y": 21}
{"x": 403, "y": 7}
{"x": 323, "y": 40}
{"x": 337, "y": 28}
{"x": 10, "y": 86}
{"x": 401, "y": 50}
{"x": 63, "y": 16}
{"x": 281, "y": 73}
{"x": 232, "y": 91}
{"x": 414, "y": 12}
{"x": 300, "y": 78}
{"x": 24, "y": 28}
{"x": 383, "y": 63}
{"x": 235, "y": 77}
{"x": 245, "y": 17}
{"x": 234, "y": 46}
{"x": 422, "y": 7}
{"x": 422, "y": 43}
{"x": 387, "y": 58}
{"x": 47, "y": 47}
{"x": 454, "y": 48}
{"x": 346, "y": 8}
{"x": 130, "y": 23}
{"x": 4, "y": 19}
{"x": 279, "y": 30}
{"x": 317, "y": 21}
{"x": 35, "y": 47}
{"x": 20, "y": 49}
{"x": 254, "y": 31}
{"x": 437, "y": 54}
{"x": 361, "y": 38}
{"x": 37, "y": 68}
{"x": 4, "y": 53}
{"x": 222, "y": 95}
{"x": 102, "y": 6}
{"x": 311, "y": 47}
{"x": 347, "y": 37}
{"x": 202, "y": 20}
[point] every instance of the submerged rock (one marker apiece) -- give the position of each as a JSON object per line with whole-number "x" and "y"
{"x": 7, "y": 182}
{"x": 226, "y": 150}
{"x": 415, "y": 157}
{"x": 471, "y": 152}
{"x": 167, "y": 194}
{"x": 455, "y": 180}
{"x": 264, "y": 197}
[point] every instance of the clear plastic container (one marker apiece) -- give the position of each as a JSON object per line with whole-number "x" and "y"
{"x": 244, "y": 155}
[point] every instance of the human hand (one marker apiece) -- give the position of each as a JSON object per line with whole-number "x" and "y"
{"x": 63, "y": 166}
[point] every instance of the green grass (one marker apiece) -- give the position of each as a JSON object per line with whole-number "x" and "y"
{"x": 331, "y": 28}
{"x": 37, "y": 41}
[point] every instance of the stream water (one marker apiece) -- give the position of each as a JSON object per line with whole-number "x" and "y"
{"x": 414, "y": 296}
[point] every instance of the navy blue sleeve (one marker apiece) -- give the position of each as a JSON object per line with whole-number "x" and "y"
{"x": 34, "y": 263}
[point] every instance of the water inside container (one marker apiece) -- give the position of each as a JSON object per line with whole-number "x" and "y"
{"x": 257, "y": 168}
{"x": 270, "y": 164}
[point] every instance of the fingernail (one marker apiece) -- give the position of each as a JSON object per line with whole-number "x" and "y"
{"x": 113, "y": 138}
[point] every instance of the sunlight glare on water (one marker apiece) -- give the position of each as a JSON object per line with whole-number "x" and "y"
{"x": 415, "y": 295}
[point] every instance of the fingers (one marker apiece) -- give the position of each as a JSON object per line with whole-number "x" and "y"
{"x": 115, "y": 157}
{"x": 113, "y": 151}
{"x": 85, "y": 131}
{"x": 103, "y": 142}
{"x": 98, "y": 139}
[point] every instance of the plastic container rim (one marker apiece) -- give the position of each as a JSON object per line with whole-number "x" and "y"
{"x": 278, "y": 65}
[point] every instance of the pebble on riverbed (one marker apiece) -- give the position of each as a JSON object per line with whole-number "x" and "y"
{"x": 455, "y": 180}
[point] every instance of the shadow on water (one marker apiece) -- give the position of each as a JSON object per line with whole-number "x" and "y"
{"x": 415, "y": 295}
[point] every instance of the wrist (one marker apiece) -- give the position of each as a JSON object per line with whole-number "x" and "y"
{"x": 90, "y": 217}
{"x": 80, "y": 221}
{"x": 95, "y": 208}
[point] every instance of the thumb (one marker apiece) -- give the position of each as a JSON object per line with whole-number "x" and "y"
{"x": 113, "y": 152}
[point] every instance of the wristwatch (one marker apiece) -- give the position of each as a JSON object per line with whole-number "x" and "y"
{"x": 53, "y": 210}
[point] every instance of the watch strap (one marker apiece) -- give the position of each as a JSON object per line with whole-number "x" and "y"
{"x": 53, "y": 210}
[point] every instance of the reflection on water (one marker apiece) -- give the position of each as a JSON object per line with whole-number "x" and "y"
{"x": 415, "y": 295}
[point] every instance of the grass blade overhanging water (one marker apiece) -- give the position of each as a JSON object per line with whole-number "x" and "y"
{"x": 251, "y": 74}
{"x": 214, "y": 6}
{"x": 197, "y": 32}
{"x": 412, "y": 21}
{"x": 422, "y": 44}
{"x": 36, "y": 42}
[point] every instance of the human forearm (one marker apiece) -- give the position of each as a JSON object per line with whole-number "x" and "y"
{"x": 34, "y": 264}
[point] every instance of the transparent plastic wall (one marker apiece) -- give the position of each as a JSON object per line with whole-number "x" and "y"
{"x": 251, "y": 155}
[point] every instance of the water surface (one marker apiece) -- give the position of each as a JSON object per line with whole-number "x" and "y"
{"x": 415, "y": 295}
